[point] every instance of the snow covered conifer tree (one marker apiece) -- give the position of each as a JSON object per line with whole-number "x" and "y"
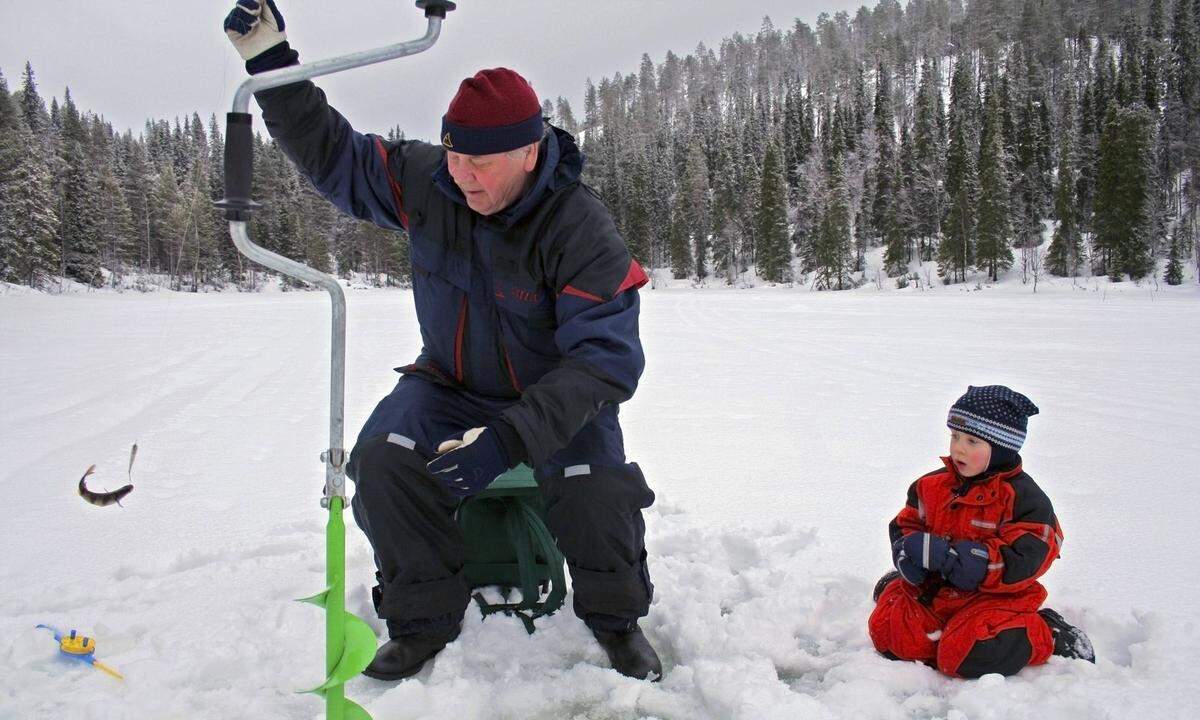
{"x": 114, "y": 223}
{"x": 230, "y": 260}
{"x": 1156, "y": 52}
{"x": 1182, "y": 109}
{"x": 1183, "y": 85}
{"x": 167, "y": 220}
{"x": 564, "y": 116}
{"x": 28, "y": 225}
{"x": 956, "y": 252}
{"x": 695, "y": 192}
{"x": 639, "y": 221}
{"x": 10, "y": 155}
{"x": 897, "y": 228}
{"x": 1065, "y": 255}
{"x": 1104, "y": 79}
{"x": 796, "y": 141}
{"x": 678, "y": 244}
{"x": 862, "y": 105}
{"x": 727, "y": 198}
{"x": 1173, "y": 273}
{"x": 1129, "y": 69}
{"x": 1086, "y": 143}
{"x": 773, "y": 253}
{"x": 864, "y": 234}
{"x": 896, "y": 254}
{"x": 32, "y": 222}
{"x": 833, "y": 260}
{"x": 885, "y": 150}
{"x": 810, "y": 204}
{"x": 316, "y": 229}
{"x": 679, "y": 241}
{"x": 992, "y": 250}
{"x": 137, "y": 182}
{"x": 78, "y": 198}
{"x": 1028, "y": 185}
{"x": 32, "y": 105}
{"x": 929, "y": 158}
{"x": 1124, "y": 193}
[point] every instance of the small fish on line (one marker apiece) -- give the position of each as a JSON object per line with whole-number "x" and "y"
{"x": 107, "y": 498}
{"x": 101, "y": 498}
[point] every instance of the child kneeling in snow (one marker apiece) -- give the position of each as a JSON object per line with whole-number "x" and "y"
{"x": 969, "y": 547}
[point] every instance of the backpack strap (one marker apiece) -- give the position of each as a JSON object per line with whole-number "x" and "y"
{"x": 529, "y": 538}
{"x": 519, "y": 533}
{"x": 549, "y": 550}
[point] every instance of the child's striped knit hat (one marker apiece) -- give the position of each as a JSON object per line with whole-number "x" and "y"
{"x": 994, "y": 413}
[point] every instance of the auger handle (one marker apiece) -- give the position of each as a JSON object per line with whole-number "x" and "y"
{"x": 238, "y": 207}
{"x": 239, "y": 138}
{"x": 239, "y": 168}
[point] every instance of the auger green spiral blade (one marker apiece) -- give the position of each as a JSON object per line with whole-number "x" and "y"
{"x": 356, "y": 655}
{"x": 349, "y": 641}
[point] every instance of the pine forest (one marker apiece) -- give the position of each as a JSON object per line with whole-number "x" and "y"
{"x": 975, "y": 137}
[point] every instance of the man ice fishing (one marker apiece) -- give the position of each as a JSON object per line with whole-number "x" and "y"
{"x": 528, "y": 307}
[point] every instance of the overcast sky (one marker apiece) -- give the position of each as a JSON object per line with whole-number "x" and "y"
{"x": 130, "y": 60}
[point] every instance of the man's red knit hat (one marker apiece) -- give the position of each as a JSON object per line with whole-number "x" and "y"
{"x": 495, "y": 111}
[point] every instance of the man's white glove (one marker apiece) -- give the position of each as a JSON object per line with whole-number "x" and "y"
{"x": 254, "y": 26}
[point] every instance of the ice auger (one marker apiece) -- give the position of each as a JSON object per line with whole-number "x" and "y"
{"x": 349, "y": 641}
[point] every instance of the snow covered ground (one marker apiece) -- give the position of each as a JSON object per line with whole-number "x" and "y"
{"x": 779, "y": 427}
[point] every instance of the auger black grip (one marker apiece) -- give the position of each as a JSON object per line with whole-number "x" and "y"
{"x": 436, "y": 8}
{"x": 239, "y": 167}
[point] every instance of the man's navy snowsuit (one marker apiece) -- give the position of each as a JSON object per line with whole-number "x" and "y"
{"x": 528, "y": 316}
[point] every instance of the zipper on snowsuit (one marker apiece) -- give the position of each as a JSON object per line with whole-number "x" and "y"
{"x": 460, "y": 340}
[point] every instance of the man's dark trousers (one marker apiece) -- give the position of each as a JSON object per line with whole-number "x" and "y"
{"x": 594, "y": 502}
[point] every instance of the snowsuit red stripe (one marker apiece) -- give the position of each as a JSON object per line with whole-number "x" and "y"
{"x": 995, "y": 628}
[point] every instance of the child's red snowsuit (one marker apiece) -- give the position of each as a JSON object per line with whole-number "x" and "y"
{"x": 995, "y": 628}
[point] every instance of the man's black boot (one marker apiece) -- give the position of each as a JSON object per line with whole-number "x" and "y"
{"x": 1069, "y": 641}
{"x": 630, "y": 653}
{"x": 404, "y": 655}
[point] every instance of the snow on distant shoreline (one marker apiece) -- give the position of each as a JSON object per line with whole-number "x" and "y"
{"x": 922, "y": 277}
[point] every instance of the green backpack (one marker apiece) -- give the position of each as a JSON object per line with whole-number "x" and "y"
{"x": 507, "y": 544}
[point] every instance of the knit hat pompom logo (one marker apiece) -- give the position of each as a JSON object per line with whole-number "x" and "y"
{"x": 494, "y": 111}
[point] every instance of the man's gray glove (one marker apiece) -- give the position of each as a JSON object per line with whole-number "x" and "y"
{"x": 254, "y": 26}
